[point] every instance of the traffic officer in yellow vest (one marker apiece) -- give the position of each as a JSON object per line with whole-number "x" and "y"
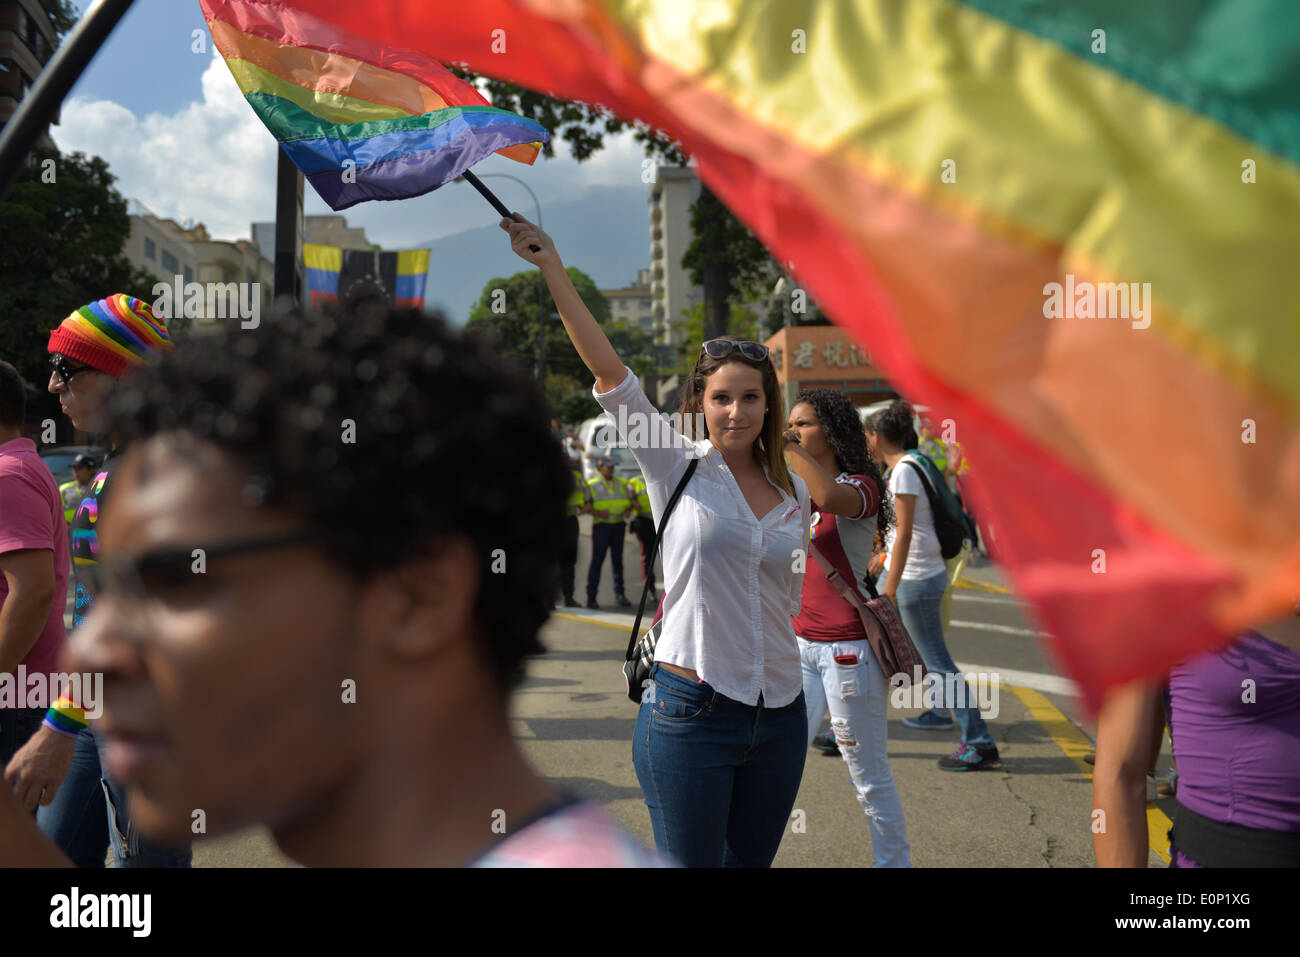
{"x": 643, "y": 526}
{"x": 83, "y": 472}
{"x": 610, "y": 502}
{"x": 579, "y": 504}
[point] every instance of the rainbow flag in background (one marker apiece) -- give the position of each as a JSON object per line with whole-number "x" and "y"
{"x": 333, "y": 271}
{"x": 362, "y": 121}
{"x": 940, "y": 172}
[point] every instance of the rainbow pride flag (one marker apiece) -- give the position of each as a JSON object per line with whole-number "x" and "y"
{"x": 944, "y": 174}
{"x": 333, "y": 271}
{"x": 361, "y": 120}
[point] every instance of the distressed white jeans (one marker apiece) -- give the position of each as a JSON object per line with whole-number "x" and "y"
{"x": 858, "y": 697}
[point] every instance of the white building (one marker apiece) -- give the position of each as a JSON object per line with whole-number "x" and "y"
{"x": 169, "y": 250}
{"x": 671, "y": 196}
{"x": 633, "y": 303}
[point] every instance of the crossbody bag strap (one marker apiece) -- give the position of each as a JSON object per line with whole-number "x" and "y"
{"x": 654, "y": 551}
{"x": 847, "y": 591}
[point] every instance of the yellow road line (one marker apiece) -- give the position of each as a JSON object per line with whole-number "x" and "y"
{"x": 973, "y": 585}
{"x": 1075, "y": 744}
{"x": 592, "y": 621}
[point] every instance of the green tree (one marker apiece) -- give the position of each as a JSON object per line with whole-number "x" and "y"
{"x": 62, "y": 229}
{"x": 512, "y": 308}
{"x": 725, "y": 258}
{"x": 63, "y": 16}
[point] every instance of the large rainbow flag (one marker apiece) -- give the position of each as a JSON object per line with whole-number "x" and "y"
{"x": 361, "y": 120}
{"x": 959, "y": 182}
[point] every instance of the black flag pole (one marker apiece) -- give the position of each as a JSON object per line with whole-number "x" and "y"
{"x": 53, "y": 84}
{"x": 491, "y": 197}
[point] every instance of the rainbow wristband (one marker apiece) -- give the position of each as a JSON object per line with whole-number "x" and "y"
{"x": 65, "y": 718}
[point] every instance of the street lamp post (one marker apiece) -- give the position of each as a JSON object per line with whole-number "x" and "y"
{"x": 540, "y": 367}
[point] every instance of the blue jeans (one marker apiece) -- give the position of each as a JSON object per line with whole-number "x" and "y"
{"x": 90, "y": 809}
{"x": 919, "y": 605}
{"x": 605, "y": 537}
{"x": 719, "y": 777}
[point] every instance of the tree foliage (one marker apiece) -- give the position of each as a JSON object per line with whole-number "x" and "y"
{"x": 511, "y": 308}
{"x": 60, "y": 247}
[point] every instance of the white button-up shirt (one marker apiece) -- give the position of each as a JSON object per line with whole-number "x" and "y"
{"x": 732, "y": 582}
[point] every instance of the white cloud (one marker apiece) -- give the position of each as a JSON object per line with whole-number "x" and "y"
{"x": 214, "y": 162}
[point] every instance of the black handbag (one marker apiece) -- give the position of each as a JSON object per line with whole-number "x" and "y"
{"x": 640, "y": 657}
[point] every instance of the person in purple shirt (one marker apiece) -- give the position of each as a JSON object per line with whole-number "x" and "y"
{"x": 1234, "y": 720}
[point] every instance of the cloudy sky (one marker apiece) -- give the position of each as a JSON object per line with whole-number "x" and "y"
{"x": 161, "y": 107}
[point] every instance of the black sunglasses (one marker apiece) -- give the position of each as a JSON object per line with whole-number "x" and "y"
{"x": 721, "y": 348}
{"x": 65, "y": 370}
{"x": 141, "y": 577}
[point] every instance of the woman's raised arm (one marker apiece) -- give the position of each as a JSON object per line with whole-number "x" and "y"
{"x": 584, "y": 332}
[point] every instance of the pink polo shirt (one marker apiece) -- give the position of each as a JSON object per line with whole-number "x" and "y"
{"x": 31, "y": 516}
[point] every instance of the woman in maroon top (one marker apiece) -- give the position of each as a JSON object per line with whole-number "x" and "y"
{"x": 828, "y": 450}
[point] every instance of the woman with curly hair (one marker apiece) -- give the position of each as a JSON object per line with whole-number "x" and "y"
{"x": 828, "y": 451}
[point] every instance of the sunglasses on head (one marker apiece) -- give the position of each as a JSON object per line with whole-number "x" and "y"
{"x": 64, "y": 369}
{"x": 721, "y": 348}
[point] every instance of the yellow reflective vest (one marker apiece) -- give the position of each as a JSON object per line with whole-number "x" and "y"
{"x": 71, "y": 496}
{"x": 637, "y": 488}
{"x": 578, "y": 497}
{"x": 611, "y": 496}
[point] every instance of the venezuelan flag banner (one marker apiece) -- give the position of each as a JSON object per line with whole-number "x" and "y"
{"x": 1072, "y": 228}
{"x": 360, "y": 120}
{"x": 333, "y": 272}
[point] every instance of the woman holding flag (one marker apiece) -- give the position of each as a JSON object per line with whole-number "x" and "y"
{"x": 721, "y": 736}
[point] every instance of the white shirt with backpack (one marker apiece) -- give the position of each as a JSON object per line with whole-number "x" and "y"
{"x": 924, "y": 557}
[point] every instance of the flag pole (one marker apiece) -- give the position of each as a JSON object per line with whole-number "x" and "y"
{"x": 491, "y": 197}
{"x": 53, "y": 84}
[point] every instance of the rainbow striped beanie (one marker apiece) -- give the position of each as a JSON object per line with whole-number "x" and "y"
{"x": 113, "y": 335}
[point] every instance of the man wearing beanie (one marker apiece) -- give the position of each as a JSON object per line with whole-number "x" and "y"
{"x": 60, "y": 767}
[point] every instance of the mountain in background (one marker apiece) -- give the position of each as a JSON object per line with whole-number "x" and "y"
{"x": 606, "y": 234}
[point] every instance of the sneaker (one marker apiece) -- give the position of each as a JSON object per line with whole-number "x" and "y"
{"x": 591, "y": 603}
{"x": 622, "y": 602}
{"x": 928, "y": 721}
{"x": 826, "y": 744}
{"x": 969, "y": 757}
{"x": 1090, "y": 758}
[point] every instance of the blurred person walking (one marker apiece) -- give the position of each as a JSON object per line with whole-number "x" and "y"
{"x": 339, "y": 655}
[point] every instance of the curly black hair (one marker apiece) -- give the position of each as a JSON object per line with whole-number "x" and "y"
{"x": 419, "y": 399}
{"x": 843, "y": 430}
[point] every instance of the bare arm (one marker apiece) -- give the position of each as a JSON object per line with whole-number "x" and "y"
{"x": 829, "y": 494}
{"x": 29, "y": 573}
{"x": 904, "y": 513}
{"x": 584, "y": 332}
{"x": 1119, "y": 781}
